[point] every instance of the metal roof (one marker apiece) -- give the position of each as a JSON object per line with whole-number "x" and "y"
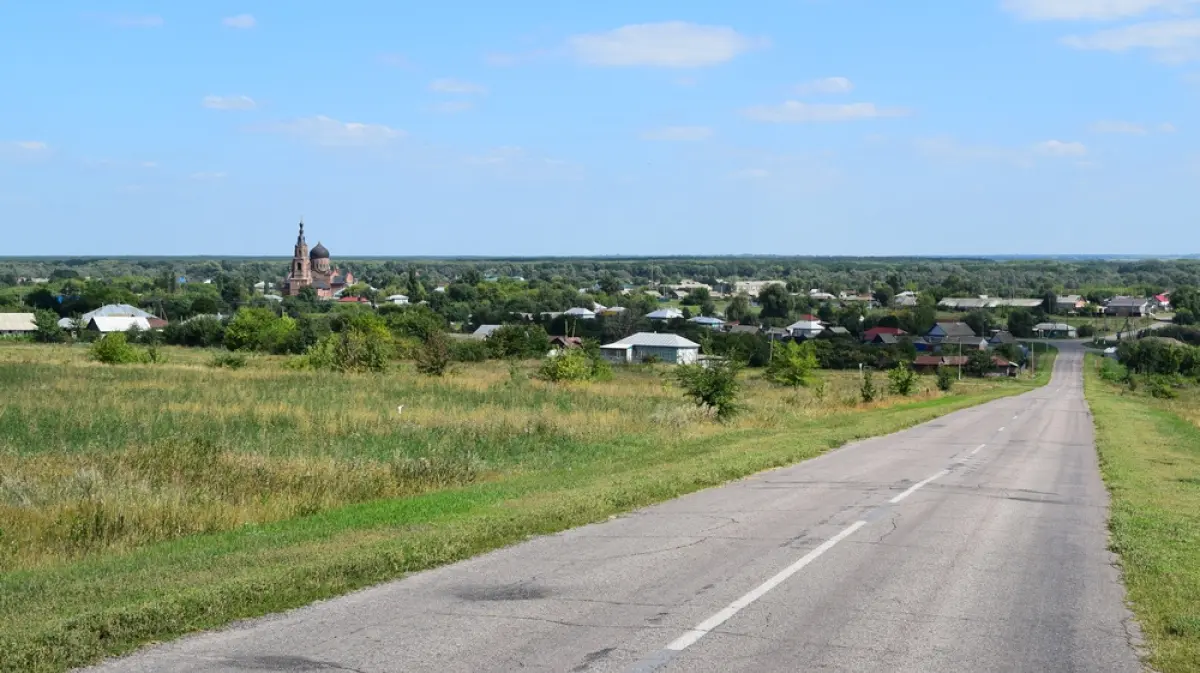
{"x": 1127, "y": 301}
{"x": 115, "y": 310}
{"x": 1052, "y": 327}
{"x": 707, "y": 320}
{"x": 652, "y": 339}
{"x": 665, "y": 314}
{"x": 118, "y": 323}
{"x": 580, "y": 313}
{"x": 16, "y": 322}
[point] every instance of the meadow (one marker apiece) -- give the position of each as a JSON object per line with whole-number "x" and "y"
{"x": 1150, "y": 458}
{"x": 141, "y": 502}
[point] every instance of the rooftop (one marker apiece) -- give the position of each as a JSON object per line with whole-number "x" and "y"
{"x": 653, "y": 339}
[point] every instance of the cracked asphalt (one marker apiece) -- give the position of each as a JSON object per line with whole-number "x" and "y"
{"x": 1000, "y": 565}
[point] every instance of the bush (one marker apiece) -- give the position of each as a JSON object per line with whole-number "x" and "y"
{"x": 713, "y": 386}
{"x": 200, "y": 332}
{"x": 945, "y": 379}
{"x": 434, "y": 356}
{"x": 1085, "y": 330}
{"x": 228, "y": 360}
{"x": 468, "y": 350}
{"x": 901, "y": 379}
{"x": 518, "y": 341}
{"x": 259, "y": 329}
{"x": 793, "y": 364}
{"x": 979, "y": 363}
{"x": 573, "y": 365}
{"x": 867, "y": 391}
{"x": 47, "y": 329}
{"x": 114, "y": 349}
{"x": 363, "y": 345}
{"x": 1161, "y": 387}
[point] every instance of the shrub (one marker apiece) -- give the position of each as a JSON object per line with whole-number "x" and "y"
{"x": 901, "y": 379}
{"x": 47, "y": 329}
{"x": 1161, "y": 388}
{"x": 468, "y": 350}
{"x": 945, "y": 379}
{"x": 570, "y": 365}
{"x": 978, "y": 363}
{"x": 1085, "y": 330}
{"x": 204, "y": 331}
{"x": 518, "y": 341}
{"x": 712, "y": 386}
{"x": 259, "y": 329}
{"x": 228, "y": 360}
{"x": 867, "y": 391}
{"x": 114, "y": 349}
{"x": 434, "y": 356}
{"x": 363, "y": 345}
{"x": 793, "y": 364}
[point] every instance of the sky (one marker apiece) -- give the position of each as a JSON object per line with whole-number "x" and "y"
{"x": 532, "y": 127}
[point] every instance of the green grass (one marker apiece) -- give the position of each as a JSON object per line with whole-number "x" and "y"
{"x": 139, "y": 503}
{"x": 1150, "y": 458}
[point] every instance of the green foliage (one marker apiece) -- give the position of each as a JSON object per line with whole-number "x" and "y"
{"x": 434, "y": 356}
{"x": 203, "y": 331}
{"x": 569, "y": 365}
{"x": 978, "y": 363}
{"x": 363, "y": 345}
{"x": 775, "y": 301}
{"x": 1157, "y": 355}
{"x": 1161, "y": 387}
{"x": 867, "y": 391}
{"x": 792, "y": 364}
{"x": 1021, "y": 322}
{"x": 739, "y": 310}
{"x": 518, "y": 341}
{"x": 114, "y": 349}
{"x": 47, "y": 329}
{"x": 259, "y": 329}
{"x": 1085, "y": 330}
{"x": 945, "y": 379}
{"x": 901, "y": 379}
{"x": 713, "y": 385}
{"x": 468, "y": 350}
{"x": 227, "y": 360}
{"x": 412, "y": 320}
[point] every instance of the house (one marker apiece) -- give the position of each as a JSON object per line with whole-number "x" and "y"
{"x": 611, "y": 311}
{"x": 353, "y": 300}
{"x": 665, "y": 314}
{"x": 963, "y": 343}
{"x": 484, "y": 331}
{"x": 984, "y": 301}
{"x": 805, "y": 329}
{"x": 885, "y": 339}
{"x": 744, "y": 329}
{"x": 579, "y": 313}
{"x": 752, "y": 288}
{"x": 1002, "y": 367}
{"x": 1069, "y": 303}
{"x": 777, "y": 333}
{"x": 838, "y": 331}
{"x": 905, "y": 299}
{"x": 707, "y": 321}
{"x": 1128, "y": 306}
{"x": 680, "y": 294}
{"x": 669, "y": 348}
{"x": 398, "y": 299}
{"x": 943, "y": 330}
{"x": 1055, "y": 330}
{"x": 820, "y": 295}
{"x": 16, "y": 324}
{"x": 932, "y": 363}
{"x": 869, "y": 335}
{"x": 1163, "y": 301}
{"x": 565, "y": 342}
{"x": 123, "y": 310}
{"x": 1001, "y": 338}
{"x": 105, "y": 324}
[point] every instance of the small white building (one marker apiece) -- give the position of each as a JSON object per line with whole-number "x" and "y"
{"x": 708, "y": 321}
{"x": 579, "y": 313}
{"x": 665, "y": 314}
{"x": 105, "y": 324}
{"x": 806, "y": 329}
{"x": 1055, "y": 330}
{"x": 398, "y": 299}
{"x": 668, "y": 348}
{"x": 16, "y": 324}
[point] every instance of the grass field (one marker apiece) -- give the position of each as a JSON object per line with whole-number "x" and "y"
{"x": 141, "y": 502}
{"x": 1150, "y": 457}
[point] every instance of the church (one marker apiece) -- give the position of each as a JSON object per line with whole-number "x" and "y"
{"x": 313, "y": 269}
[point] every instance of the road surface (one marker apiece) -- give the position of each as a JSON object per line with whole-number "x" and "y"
{"x": 973, "y": 543}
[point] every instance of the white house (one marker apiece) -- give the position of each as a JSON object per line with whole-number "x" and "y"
{"x": 579, "y": 313}
{"x": 109, "y": 310}
{"x": 669, "y": 348}
{"x": 117, "y": 323}
{"x": 805, "y": 329}
{"x": 1055, "y": 330}
{"x": 665, "y": 314}
{"x": 16, "y": 324}
{"x": 708, "y": 321}
{"x": 398, "y": 299}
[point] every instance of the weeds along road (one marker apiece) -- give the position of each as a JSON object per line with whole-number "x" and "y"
{"x": 976, "y": 542}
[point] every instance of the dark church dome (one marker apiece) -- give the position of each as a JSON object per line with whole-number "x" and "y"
{"x": 319, "y": 252}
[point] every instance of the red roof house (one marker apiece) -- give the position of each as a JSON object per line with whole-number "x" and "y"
{"x": 870, "y": 334}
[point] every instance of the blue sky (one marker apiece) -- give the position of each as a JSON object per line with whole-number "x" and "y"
{"x": 868, "y": 127}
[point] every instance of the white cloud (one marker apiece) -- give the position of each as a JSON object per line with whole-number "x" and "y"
{"x": 1166, "y": 127}
{"x": 138, "y": 21}
{"x": 1118, "y": 127}
{"x": 241, "y": 21}
{"x": 751, "y": 174}
{"x": 518, "y": 163}
{"x": 31, "y": 146}
{"x": 328, "y": 132}
{"x": 209, "y": 175}
{"x": 1174, "y": 40}
{"x": 454, "y": 106}
{"x": 673, "y": 44}
{"x": 826, "y": 85}
{"x": 1094, "y": 10}
{"x": 795, "y": 112}
{"x": 457, "y": 86}
{"x": 1058, "y": 148}
{"x": 679, "y": 133}
{"x": 229, "y": 103}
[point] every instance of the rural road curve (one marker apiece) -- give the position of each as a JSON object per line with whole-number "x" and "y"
{"x": 976, "y": 542}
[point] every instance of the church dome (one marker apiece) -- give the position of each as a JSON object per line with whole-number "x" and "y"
{"x": 319, "y": 252}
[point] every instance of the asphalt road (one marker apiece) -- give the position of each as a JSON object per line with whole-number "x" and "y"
{"x": 974, "y": 543}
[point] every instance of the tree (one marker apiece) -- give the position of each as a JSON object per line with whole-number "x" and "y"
{"x": 883, "y": 294}
{"x": 980, "y": 322}
{"x": 713, "y": 385}
{"x": 945, "y": 379}
{"x": 1050, "y": 302}
{"x": 114, "y": 349}
{"x": 901, "y": 379}
{"x": 259, "y": 329}
{"x": 867, "y": 391}
{"x": 519, "y": 341}
{"x": 978, "y": 363}
{"x": 205, "y": 305}
{"x": 708, "y": 308}
{"x": 792, "y": 364}
{"x": 46, "y": 329}
{"x": 434, "y": 356}
{"x": 739, "y": 310}
{"x": 363, "y": 345}
{"x": 1021, "y": 322}
{"x": 775, "y": 302}
{"x": 697, "y": 297}
{"x": 610, "y": 285}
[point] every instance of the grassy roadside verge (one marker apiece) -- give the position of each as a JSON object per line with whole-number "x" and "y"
{"x": 56, "y": 617}
{"x": 1150, "y": 460}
